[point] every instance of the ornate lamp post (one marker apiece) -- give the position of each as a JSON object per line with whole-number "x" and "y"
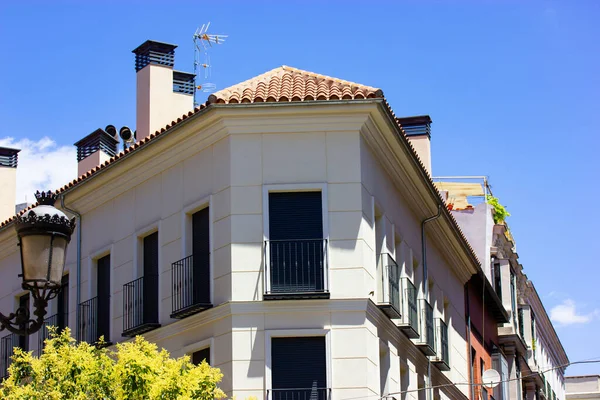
{"x": 44, "y": 233}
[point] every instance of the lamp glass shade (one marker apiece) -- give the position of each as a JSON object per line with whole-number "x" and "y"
{"x": 43, "y": 259}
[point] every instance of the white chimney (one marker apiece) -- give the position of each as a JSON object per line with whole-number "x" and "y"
{"x": 8, "y": 182}
{"x": 163, "y": 95}
{"x": 418, "y": 132}
{"x": 94, "y": 149}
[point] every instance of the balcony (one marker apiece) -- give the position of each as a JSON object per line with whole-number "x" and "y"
{"x": 426, "y": 341}
{"x": 409, "y": 322}
{"x": 390, "y": 291}
{"x": 44, "y": 332}
{"x": 7, "y": 345}
{"x": 299, "y": 394}
{"x": 140, "y": 306}
{"x": 92, "y": 323}
{"x": 442, "y": 357}
{"x": 187, "y": 296}
{"x": 296, "y": 269}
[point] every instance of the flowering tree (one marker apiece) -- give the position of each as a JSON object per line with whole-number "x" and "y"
{"x": 136, "y": 370}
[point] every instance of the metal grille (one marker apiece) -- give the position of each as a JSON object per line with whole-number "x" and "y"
{"x": 427, "y": 332}
{"x": 299, "y": 394}
{"x": 87, "y": 330}
{"x": 97, "y": 140}
{"x": 9, "y": 157}
{"x": 296, "y": 266}
{"x": 151, "y": 52}
{"x": 442, "y": 335}
{"x": 7, "y": 345}
{"x": 415, "y": 126}
{"x": 390, "y": 277}
{"x": 183, "y": 82}
{"x": 44, "y": 332}
{"x": 139, "y": 305}
{"x": 410, "y": 315}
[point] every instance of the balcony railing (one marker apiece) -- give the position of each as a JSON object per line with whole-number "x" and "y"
{"x": 44, "y": 332}
{"x": 390, "y": 286}
{"x": 92, "y": 325}
{"x": 140, "y": 305}
{"x": 7, "y": 345}
{"x": 442, "y": 357}
{"x": 409, "y": 322}
{"x": 299, "y": 394}
{"x": 187, "y": 296}
{"x": 296, "y": 269}
{"x": 426, "y": 341}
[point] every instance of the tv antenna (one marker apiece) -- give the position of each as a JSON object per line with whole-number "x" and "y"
{"x": 203, "y": 42}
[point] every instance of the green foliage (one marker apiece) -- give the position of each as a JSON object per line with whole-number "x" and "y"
{"x": 500, "y": 213}
{"x": 136, "y": 370}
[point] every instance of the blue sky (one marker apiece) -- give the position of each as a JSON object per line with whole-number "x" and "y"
{"x": 512, "y": 88}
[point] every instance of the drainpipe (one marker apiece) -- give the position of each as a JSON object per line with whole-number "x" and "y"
{"x": 468, "y": 306}
{"x": 62, "y": 204}
{"x": 426, "y": 284}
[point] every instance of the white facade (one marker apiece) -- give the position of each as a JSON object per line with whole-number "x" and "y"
{"x": 583, "y": 387}
{"x": 229, "y": 159}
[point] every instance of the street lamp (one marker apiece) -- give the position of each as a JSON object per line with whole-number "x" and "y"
{"x": 44, "y": 233}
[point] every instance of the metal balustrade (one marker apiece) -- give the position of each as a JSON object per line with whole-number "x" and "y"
{"x": 296, "y": 269}
{"x": 7, "y": 346}
{"x": 442, "y": 357}
{"x": 187, "y": 297}
{"x": 390, "y": 286}
{"x": 426, "y": 341}
{"x": 44, "y": 332}
{"x": 409, "y": 321}
{"x": 299, "y": 394}
{"x": 140, "y": 305}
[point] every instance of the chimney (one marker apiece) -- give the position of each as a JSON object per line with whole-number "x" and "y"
{"x": 163, "y": 95}
{"x": 8, "y": 182}
{"x": 94, "y": 149}
{"x": 418, "y": 133}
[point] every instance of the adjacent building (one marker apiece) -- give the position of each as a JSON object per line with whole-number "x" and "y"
{"x": 583, "y": 387}
{"x": 287, "y": 232}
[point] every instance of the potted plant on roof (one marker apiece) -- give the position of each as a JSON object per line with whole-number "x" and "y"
{"x": 499, "y": 213}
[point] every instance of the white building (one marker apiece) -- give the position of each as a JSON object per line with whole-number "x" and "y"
{"x": 274, "y": 231}
{"x": 583, "y": 387}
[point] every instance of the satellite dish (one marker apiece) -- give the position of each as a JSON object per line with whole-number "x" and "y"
{"x": 111, "y": 130}
{"x": 490, "y": 378}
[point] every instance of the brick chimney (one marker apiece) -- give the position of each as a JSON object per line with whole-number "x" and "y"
{"x": 418, "y": 132}
{"x": 8, "y": 182}
{"x": 163, "y": 95}
{"x": 94, "y": 149}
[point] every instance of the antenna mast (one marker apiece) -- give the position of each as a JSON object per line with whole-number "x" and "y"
{"x": 203, "y": 42}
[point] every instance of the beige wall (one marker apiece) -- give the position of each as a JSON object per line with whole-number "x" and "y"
{"x": 8, "y": 192}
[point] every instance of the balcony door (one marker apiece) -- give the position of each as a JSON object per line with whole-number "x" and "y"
{"x": 201, "y": 257}
{"x": 296, "y": 245}
{"x": 299, "y": 368}
{"x": 150, "y": 305}
{"x": 103, "y": 323}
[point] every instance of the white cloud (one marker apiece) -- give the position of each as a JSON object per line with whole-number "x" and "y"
{"x": 566, "y": 314}
{"x": 43, "y": 165}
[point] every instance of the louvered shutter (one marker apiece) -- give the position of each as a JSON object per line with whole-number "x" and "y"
{"x": 201, "y": 256}
{"x": 299, "y": 363}
{"x": 150, "y": 305}
{"x": 103, "y": 299}
{"x": 295, "y": 215}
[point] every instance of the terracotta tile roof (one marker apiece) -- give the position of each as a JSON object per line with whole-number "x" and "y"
{"x": 290, "y": 84}
{"x": 281, "y": 84}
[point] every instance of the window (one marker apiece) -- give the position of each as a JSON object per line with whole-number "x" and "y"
{"x": 24, "y": 339}
{"x": 201, "y": 355}
{"x": 484, "y": 392}
{"x": 62, "y": 302}
{"x": 140, "y": 297}
{"x": 103, "y": 298}
{"x": 497, "y": 279}
{"x": 499, "y": 364}
{"x": 299, "y": 368}
{"x": 513, "y": 298}
{"x": 191, "y": 275}
{"x": 297, "y": 249}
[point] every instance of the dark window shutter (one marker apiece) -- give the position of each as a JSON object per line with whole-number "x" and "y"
{"x": 103, "y": 323}
{"x": 299, "y": 363}
{"x": 63, "y": 303}
{"x": 201, "y": 355}
{"x": 295, "y": 215}
{"x": 24, "y": 339}
{"x": 201, "y": 256}
{"x": 151, "y": 278}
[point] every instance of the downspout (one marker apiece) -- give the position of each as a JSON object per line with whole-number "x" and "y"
{"x": 62, "y": 204}
{"x": 426, "y": 285}
{"x": 468, "y": 306}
